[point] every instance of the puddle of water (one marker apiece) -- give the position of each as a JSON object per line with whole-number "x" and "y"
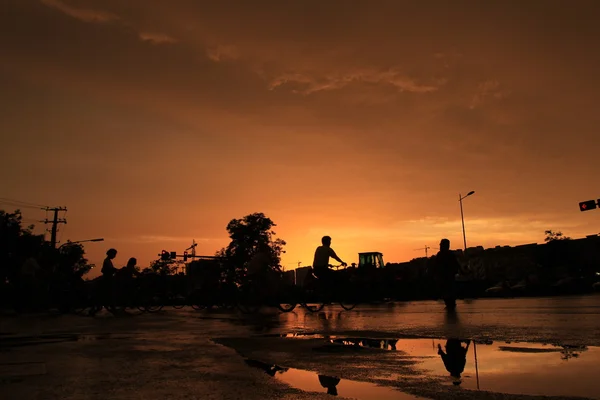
{"x": 512, "y": 368}
{"x": 298, "y": 335}
{"x": 312, "y": 382}
{"x": 383, "y": 344}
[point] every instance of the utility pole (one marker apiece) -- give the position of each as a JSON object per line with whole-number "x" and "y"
{"x": 55, "y": 221}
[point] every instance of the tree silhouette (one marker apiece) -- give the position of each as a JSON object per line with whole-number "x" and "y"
{"x": 71, "y": 259}
{"x": 164, "y": 267}
{"x": 18, "y": 243}
{"x": 247, "y": 235}
{"x": 552, "y": 236}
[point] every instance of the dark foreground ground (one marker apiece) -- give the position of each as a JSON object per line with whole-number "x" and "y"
{"x": 520, "y": 348}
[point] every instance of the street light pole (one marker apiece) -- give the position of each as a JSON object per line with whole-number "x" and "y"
{"x": 462, "y": 217}
{"x": 81, "y": 241}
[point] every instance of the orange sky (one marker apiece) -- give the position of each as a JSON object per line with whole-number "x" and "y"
{"x": 157, "y": 122}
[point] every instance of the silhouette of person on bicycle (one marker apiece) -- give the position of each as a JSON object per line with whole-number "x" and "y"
{"x": 106, "y": 284}
{"x": 321, "y": 261}
{"x": 108, "y": 269}
{"x": 130, "y": 271}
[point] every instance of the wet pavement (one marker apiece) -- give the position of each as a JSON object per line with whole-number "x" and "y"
{"x": 503, "y": 367}
{"x": 520, "y": 348}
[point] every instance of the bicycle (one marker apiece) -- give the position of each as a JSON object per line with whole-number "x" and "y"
{"x": 252, "y": 294}
{"x": 319, "y": 293}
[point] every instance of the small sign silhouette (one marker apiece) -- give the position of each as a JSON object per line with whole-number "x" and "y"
{"x": 587, "y": 205}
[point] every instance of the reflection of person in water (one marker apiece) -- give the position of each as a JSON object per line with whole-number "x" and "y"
{"x": 455, "y": 357}
{"x": 329, "y": 382}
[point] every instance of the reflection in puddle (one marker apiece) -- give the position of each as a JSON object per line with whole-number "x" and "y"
{"x": 515, "y": 368}
{"x": 298, "y": 335}
{"x": 383, "y": 344}
{"x": 312, "y": 382}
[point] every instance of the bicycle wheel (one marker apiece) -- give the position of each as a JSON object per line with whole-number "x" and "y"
{"x": 286, "y": 307}
{"x": 313, "y": 307}
{"x": 152, "y": 308}
{"x": 178, "y": 306}
{"x": 347, "y": 305}
{"x": 177, "y": 301}
{"x": 153, "y": 304}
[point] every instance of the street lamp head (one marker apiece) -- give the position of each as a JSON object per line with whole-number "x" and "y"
{"x": 470, "y": 193}
{"x": 97, "y": 240}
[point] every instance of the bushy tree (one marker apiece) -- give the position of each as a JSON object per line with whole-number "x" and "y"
{"x": 248, "y": 235}
{"x": 552, "y": 236}
{"x": 17, "y": 243}
{"x": 558, "y": 254}
{"x": 163, "y": 267}
{"x": 71, "y": 259}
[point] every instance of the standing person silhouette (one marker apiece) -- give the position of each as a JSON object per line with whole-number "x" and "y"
{"x": 321, "y": 261}
{"x": 445, "y": 269}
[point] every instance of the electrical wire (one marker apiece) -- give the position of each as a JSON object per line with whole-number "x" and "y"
{"x": 26, "y": 203}
{"x": 19, "y": 205}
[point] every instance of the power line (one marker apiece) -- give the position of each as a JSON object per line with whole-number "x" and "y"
{"x": 18, "y": 205}
{"x": 27, "y": 203}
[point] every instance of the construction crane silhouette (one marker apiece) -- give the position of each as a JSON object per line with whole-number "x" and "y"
{"x": 193, "y": 248}
{"x": 426, "y": 248}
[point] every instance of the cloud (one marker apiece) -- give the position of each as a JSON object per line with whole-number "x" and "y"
{"x": 99, "y": 16}
{"x": 156, "y": 38}
{"x": 490, "y": 89}
{"x": 489, "y": 232}
{"x": 310, "y": 83}
{"x": 82, "y": 14}
{"x": 221, "y": 53}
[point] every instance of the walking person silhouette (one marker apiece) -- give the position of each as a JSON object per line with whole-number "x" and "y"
{"x": 446, "y": 267}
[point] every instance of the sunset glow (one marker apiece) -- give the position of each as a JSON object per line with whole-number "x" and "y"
{"x": 156, "y": 123}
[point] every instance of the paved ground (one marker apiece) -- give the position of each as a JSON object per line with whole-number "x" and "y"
{"x": 184, "y": 354}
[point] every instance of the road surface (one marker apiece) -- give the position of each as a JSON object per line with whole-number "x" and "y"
{"x": 373, "y": 352}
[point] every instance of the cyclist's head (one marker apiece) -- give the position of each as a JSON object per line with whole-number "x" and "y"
{"x": 111, "y": 253}
{"x": 326, "y": 240}
{"x": 132, "y": 262}
{"x": 444, "y": 244}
